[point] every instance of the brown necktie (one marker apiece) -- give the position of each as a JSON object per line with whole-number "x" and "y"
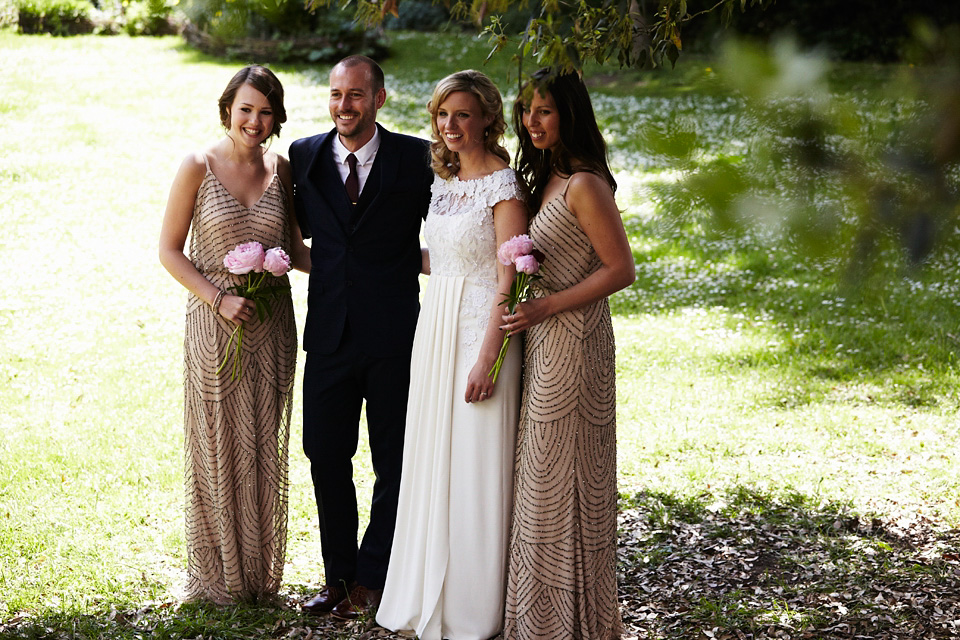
{"x": 353, "y": 182}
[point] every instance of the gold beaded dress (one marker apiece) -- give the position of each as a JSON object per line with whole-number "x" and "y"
{"x": 562, "y": 580}
{"x": 236, "y": 431}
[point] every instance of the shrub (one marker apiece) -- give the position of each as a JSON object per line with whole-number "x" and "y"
{"x": 148, "y": 18}
{"x": 134, "y": 17}
{"x": 421, "y": 15}
{"x": 8, "y": 14}
{"x": 276, "y": 31}
{"x": 58, "y": 17}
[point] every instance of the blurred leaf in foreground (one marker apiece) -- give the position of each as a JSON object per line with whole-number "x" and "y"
{"x": 835, "y": 175}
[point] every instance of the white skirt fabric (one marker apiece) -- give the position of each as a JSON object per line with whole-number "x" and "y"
{"x": 447, "y": 570}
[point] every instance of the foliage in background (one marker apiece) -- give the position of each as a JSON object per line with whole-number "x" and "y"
{"x": 848, "y": 30}
{"x": 421, "y": 15}
{"x": 72, "y": 17}
{"x": 828, "y": 173}
{"x": 56, "y": 17}
{"x": 570, "y": 33}
{"x": 276, "y": 31}
{"x": 8, "y": 14}
{"x": 137, "y": 17}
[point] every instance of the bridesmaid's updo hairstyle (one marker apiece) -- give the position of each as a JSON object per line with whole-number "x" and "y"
{"x": 261, "y": 79}
{"x": 444, "y": 162}
{"x": 581, "y": 146}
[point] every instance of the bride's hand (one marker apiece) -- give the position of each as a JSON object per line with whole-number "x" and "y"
{"x": 479, "y": 383}
{"x": 526, "y": 315}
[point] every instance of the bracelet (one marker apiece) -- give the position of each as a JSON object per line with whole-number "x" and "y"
{"x": 215, "y": 305}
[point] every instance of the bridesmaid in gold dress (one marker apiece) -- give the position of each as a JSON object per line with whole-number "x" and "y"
{"x": 235, "y": 430}
{"x": 562, "y": 580}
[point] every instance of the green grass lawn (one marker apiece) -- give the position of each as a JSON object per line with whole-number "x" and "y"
{"x": 744, "y": 369}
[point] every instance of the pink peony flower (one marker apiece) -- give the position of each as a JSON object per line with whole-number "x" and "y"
{"x": 513, "y": 248}
{"x": 276, "y": 261}
{"x": 527, "y": 264}
{"x": 245, "y": 258}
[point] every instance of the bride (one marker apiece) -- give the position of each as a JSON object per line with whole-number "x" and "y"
{"x": 446, "y": 576}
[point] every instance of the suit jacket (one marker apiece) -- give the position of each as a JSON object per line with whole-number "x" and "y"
{"x": 365, "y": 258}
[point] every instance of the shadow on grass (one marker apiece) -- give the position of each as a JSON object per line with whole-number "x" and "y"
{"x": 741, "y": 565}
{"x": 750, "y": 565}
{"x": 896, "y": 335}
{"x": 278, "y": 617}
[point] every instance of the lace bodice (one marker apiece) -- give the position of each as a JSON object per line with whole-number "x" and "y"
{"x": 459, "y": 227}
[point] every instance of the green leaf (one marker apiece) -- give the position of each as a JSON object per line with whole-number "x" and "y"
{"x": 673, "y": 53}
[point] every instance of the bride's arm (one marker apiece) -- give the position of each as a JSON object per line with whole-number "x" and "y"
{"x": 424, "y": 261}
{"x": 509, "y": 219}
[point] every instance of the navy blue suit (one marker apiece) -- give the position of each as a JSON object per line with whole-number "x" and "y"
{"x": 362, "y": 311}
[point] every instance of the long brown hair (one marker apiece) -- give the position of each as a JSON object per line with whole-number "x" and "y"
{"x": 581, "y": 146}
{"x": 445, "y": 162}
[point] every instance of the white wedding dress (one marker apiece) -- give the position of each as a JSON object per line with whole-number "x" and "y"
{"x": 446, "y": 577}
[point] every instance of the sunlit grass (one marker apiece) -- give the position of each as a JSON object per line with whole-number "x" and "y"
{"x": 693, "y": 419}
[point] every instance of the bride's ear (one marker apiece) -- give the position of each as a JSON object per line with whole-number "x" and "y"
{"x": 486, "y": 126}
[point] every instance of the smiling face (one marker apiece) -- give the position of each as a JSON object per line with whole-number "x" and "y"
{"x": 460, "y": 122}
{"x": 251, "y": 117}
{"x": 542, "y": 121}
{"x": 354, "y": 103}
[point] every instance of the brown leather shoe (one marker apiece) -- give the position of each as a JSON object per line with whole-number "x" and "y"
{"x": 327, "y": 599}
{"x": 358, "y": 602}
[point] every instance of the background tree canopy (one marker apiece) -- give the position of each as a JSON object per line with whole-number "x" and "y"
{"x": 643, "y": 33}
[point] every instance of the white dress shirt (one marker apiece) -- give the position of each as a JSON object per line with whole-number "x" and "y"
{"x": 365, "y": 157}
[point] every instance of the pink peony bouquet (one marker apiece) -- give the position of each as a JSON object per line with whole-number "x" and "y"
{"x": 250, "y": 259}
{"x": 519, "y": 252}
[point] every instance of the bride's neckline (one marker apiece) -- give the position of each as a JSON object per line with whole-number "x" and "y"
{"x": 478, "y": 178}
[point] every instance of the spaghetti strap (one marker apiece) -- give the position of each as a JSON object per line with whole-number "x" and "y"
{"x": 206, "y": 161}
{"x": 563, "y": 193}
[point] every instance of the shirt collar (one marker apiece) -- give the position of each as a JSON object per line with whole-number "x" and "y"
{"x": 365, "y": 154}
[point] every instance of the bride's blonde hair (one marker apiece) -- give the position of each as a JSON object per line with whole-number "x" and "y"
{"x": 445, "y": 162}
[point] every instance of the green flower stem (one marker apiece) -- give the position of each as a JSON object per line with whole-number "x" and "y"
{"x": 518, "y": 292}
{"x": 237, "y": 368}
{"x": 229, "y": 342}
{"x": 495, "y": 371}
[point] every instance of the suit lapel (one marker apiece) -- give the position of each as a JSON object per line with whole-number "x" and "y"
{"x": 382, "y": 175}
{"x": 324, "y": 175}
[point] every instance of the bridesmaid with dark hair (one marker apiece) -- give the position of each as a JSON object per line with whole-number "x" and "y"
{"x": 562, "y": 580}
{"x": 236, "y": 429}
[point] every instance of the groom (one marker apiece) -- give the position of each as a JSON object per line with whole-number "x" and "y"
{"x": 361, "y": 193}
